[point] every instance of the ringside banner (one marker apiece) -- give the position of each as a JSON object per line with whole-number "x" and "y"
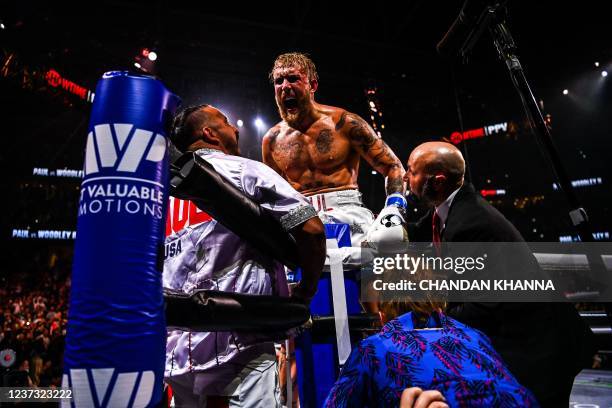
{"x": 115, "y": 342}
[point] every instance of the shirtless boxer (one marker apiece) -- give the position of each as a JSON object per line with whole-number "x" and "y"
{"x": 317, "y": 149}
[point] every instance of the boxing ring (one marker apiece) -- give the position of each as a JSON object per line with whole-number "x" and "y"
{"x": 117, "y": 324}
{"x": 119, "y": 314}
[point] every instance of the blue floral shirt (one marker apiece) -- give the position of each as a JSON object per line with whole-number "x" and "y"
{"x": 447, "y": 356}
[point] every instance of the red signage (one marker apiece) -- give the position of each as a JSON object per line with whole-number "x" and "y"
{"x": 458, "y": 137}
{"x": 486, "y": 193}
{"x": 55, "y": 80}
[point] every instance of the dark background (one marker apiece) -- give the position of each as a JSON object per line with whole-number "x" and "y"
{"x": 221, "y": 54}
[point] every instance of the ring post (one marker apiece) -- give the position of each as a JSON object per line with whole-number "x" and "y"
{"x": 116, "y": 335}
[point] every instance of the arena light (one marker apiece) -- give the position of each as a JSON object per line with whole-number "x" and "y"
{"x": 2, "y": 27}
{"x": 259, "y": 124}
{"x": 144, "y": 60}
{"x": 565, "y": 92}
{"x": 604, "y": 73}
{"x": 596, "y": 64}
{"x": 240, "y": 123}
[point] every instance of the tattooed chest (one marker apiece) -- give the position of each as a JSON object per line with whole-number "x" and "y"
{"x": 290, "y": 152}
{"x": 320, "y": 149}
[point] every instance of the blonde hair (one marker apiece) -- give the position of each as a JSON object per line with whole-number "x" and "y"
{"x": 295, "y": 59}
{"x": 395, "y": 308}
{"x": 404, "y": 303}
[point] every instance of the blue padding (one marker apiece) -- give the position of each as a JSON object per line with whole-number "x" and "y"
{"x": 342, "y": 233}
{"x": 115, "y": 345}
{"x": 317, "y": 363}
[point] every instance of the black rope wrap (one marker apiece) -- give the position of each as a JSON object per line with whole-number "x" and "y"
{"x": 194, "y": 179}
{"x": 212, "y": 310}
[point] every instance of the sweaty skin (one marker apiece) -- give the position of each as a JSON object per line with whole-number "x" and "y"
{"x": 320, "y": 151}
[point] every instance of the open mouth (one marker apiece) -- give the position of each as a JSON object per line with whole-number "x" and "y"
{"x": 290, "y": 103}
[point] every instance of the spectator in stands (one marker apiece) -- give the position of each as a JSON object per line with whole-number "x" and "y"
{"x": 32, "y": 321}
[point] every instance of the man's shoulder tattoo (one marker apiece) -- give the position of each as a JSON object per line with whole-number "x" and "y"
{"x": 360, "y": 133}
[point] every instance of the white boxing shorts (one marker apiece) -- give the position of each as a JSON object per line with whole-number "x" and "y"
{"x": 345, "y": 207}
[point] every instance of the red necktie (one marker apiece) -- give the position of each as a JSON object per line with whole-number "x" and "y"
{"x": 435, "y": 227}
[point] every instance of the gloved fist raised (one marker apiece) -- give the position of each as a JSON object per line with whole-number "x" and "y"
{"x": 387, "y": 234}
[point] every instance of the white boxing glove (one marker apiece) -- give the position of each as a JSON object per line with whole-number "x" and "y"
{"x": 388, "y": 233}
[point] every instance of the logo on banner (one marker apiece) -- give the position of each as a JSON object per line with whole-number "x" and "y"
{"x": 108, "y": 149}
{"x": 122, "y": 148}
{"x": 458, "y": 137}
{"x": 98, "y": 387}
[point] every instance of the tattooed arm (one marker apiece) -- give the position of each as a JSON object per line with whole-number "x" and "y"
{"x": 267, "y": 146}
{"x": 375, "y": 151}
